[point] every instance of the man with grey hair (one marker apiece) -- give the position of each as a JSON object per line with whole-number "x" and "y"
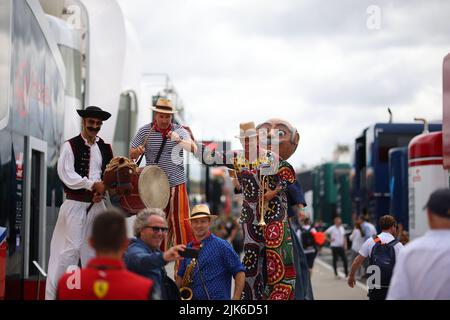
{"x": 143, "y": 255}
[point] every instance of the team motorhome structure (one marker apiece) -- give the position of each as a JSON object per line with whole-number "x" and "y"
{"x": 57, "y": 56}
{"x": 32, "y": 131}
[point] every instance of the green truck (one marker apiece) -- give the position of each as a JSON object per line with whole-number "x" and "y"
{"x": 331, "y": 192}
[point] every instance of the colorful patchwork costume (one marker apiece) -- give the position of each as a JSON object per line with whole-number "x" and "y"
{"x": 288, "y": 139}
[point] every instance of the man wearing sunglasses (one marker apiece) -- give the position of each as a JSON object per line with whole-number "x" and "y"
{"x": 81, "y": 164}
{"x": 144, "y": 256}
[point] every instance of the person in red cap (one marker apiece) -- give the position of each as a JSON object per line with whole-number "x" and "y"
{"x": 105, "y": 277}
{"x": 81, "y": 164}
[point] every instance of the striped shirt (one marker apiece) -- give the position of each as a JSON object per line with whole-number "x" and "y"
{"x": 173, "y": 166}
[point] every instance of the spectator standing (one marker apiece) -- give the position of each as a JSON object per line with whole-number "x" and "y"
{"x": 144, "y": 256}
{"x": 338, "y": 244}
{"x": 306, "y": 234}
{"x": 357, "y": 239}
{"x": 382, "y": 251}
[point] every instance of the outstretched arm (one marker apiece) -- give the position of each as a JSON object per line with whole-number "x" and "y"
{"x": 209, "y": 156}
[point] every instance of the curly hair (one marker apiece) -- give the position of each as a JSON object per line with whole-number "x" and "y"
{"x": 142, "y": 219}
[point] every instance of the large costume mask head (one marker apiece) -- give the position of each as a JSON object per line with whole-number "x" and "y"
{"x": 286, "y": 134}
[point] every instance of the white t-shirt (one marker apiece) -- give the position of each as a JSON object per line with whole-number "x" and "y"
{"x": 385, "y": 237}
{"x": 337, "y": 235}
{"x": 422, "y": 268}
{"x": 357, "y": 240}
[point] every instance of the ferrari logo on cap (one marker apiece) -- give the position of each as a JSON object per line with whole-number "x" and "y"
{"x": 101, "y": 288}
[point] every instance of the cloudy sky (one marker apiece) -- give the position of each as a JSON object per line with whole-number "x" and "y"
{"x": 329, "y": 67}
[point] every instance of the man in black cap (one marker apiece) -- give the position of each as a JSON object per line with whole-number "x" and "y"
{"x": 81, "y": 164}
{"x": 422, "y": 269}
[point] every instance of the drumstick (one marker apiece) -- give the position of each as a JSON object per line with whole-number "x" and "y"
{"x": 90, "y": 206}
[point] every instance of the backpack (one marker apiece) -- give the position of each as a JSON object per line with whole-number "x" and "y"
{"x": 307, "y": 238}
{"x": 383, "y": 256}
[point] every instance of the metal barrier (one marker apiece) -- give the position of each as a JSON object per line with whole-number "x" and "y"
{"x": 41, "y": 272}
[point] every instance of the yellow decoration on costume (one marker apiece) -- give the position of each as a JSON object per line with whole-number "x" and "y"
{"x": 240, "y": 163}
{"x": 101, "y": 288}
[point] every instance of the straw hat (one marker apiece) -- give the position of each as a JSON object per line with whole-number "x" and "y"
{"x": 164, "y": 105}
{"x": 201, "y": 211}
{"x": 153, "y": 187}
{"x": 247, "y": 130}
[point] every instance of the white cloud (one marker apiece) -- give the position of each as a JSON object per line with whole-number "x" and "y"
{"x": 314, "y": 64}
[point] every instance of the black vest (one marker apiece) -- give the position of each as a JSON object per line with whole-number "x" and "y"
{"x": 82, "y": 154}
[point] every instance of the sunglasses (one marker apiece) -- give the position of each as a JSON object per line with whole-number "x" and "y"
{"x": 157, "y": 229}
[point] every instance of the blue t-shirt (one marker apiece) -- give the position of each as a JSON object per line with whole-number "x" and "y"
{"x": 218, "y": 263}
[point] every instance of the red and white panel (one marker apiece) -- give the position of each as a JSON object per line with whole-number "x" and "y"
{"x": 426, "y": 174}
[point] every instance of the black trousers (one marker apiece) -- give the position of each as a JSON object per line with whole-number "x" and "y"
{"x": 339, "y": 252}
{"x": 377, "y": 294}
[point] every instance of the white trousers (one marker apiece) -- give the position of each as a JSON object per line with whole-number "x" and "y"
{"x": 70, "y": 241}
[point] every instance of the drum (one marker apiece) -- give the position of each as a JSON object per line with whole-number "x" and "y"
{"x": 132, "y": 190}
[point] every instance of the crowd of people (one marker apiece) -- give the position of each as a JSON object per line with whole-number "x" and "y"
{"x": 391, "y": 266}
{"x": 163, "y": 236}
{"x": 278, "y": 243}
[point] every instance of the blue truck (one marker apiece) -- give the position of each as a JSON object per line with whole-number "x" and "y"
{"x": 374, "y": 192}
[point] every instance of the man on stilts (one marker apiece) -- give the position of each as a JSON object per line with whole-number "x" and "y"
{"x": 162, "y": 142}
{"x": 286, "y": 138}
{"x": 268, "y": 254}
{"x": 81, "y": 164}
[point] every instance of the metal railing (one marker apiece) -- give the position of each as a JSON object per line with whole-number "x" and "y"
{"x": 41, "y": 273}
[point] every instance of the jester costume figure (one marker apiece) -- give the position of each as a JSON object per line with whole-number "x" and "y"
{"x": 268, "y": 252}
{"x": 286, "y": 139}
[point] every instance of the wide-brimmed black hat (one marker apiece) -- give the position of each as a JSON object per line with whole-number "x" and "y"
{"x": 94, "y": 112}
